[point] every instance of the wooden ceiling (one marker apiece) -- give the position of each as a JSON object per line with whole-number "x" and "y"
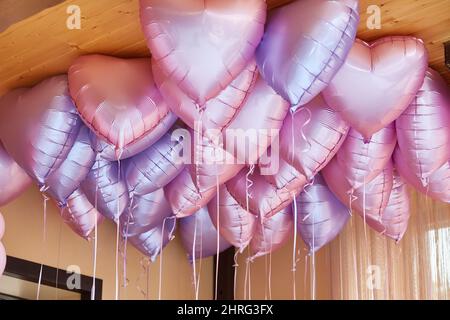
{"x": 41, "y": 45}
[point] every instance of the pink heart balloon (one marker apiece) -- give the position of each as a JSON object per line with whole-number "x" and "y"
{"x": 423, "y": 130}
{"x": 377, "y": 82}
{"x": 272, "y": 233}
{"x": 310, "y": 138}
{"x": 80, "y": 215}
{"x": 118, "y": 99}
{"x": 361, "y": 162}
{"x": 234, "y": 223}
{"x": 218, "y": 111}
{"x": 369, "y": 200}
{"x": 2, "y": 259}
{"x": 13, "y": 180}
{"x": 438, "y": 186}
{"x": 202, "y": 45}
{"x": 299, "y": 59}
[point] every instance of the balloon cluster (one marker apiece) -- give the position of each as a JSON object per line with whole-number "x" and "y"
{"x": 104, "y": 140}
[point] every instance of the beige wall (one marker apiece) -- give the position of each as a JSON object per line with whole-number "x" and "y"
{"x": 23, "y": 239}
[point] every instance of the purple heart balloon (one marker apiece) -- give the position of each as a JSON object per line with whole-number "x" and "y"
{"x": 377, "y": 82}
{"x": 146, "y": 211}
{"x": 13, "y": 180}
{"x": 80, "y": 215}
{"x": 423, "y": 130}
{"x": 199, "y": 236}
{"x": 202, "y": 45}
{"x": 299, "y": 59}
{"x": 321, "y": 216}
{"x": 39, "y": 126}
{"x": 63, "y": 181}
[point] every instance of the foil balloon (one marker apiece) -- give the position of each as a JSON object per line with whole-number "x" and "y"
{"x": 265, "y": 195}
{"x": 80, "y": 214}
{"x": 438, "y": 186}
{"x": 146, "y": 211}
{"x": 310, "y": 138}
{"x": 394, "y": 220}
{"x": 202, "y": 45}
{"x": 63, "y": 181}
{"x": 152, "y": 242}
{"x": 361, "y": 162}
{"x": 119, "y": 101}
{"x": 155, "y": 167}
{"x": 39, "y": 126}
{"x": 423, "y": 130}
{"x": 272, "y": 233}
{"x": 199, "y": 236}
{"x": 2, "y": 259}
{"x": 299, "y": 59}
{"x": 13, "y": 180}
{"x": 214, "y": 162}
{"x": 369, "y": 200}
{"x": 321, "y": 216}
{"x": 218, "y": 111}
{"x": 235, "y": 224}
{"x": 105, "y": 187}
{"x": 377, "y": 82}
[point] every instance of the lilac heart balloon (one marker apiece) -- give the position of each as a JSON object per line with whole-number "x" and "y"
{"x": 63, "y": 181}
{"x": 377, "y": 82}
{"x": 423, "y": 130}
{"x": 199, "y": 236}
{"x": 321, "y": 216}
{"x": 119, "y": 101}
{"x": 39, "y": 126}
{"x": 202, "y": 45}
{"x": 152, "y": 242}
{"x": 80, "y": 215}
{"x": 146, "y": 211}
{"x": 299, "y": 59}
{"x": 234, "y": 223}
{"x": 105, "y": 187}
{"x": 438, "y": 186}
{"x": 13, "y": 179}
{"x": 154, "y": 167}
{"x": 310, "y": 138}
{"x": 361, "y": 162}
{"x": 218, "y": 111}
{"x": 272, "y": 233}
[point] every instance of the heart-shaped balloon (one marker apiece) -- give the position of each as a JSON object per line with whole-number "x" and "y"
{"x": 217, "y": 112}
{"x": 377, "y": 82}
{"x": 321, "y": 216}
{"x": 146, "y": 211}
{"x": 199, "y": 236}
{"x": 361, "y": 162}
{"x": 310, "y": 138}
{"x": 105, "y": 187}
{"x": 272, "y": 233}
{"x": 13, "y": 180}
{"x": 234, "y": 223}
{"x": 299, "y": 59}
{"x": 152, "y": 242}
{"x": 394, "y": 220}
{"x": 438, "y": 186}
{"x": 118, "y": 99}
{"x": 63, "y": 181}
{"x": 369, "y": 200}
{"x": 39, "y": 126}
{"x": 243, "y": 142}
{"x": 154, "y": 167}
{"x": 202, "y": 45}
{"x": 80, "y": 215}
{"x": 423, "y": 130}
